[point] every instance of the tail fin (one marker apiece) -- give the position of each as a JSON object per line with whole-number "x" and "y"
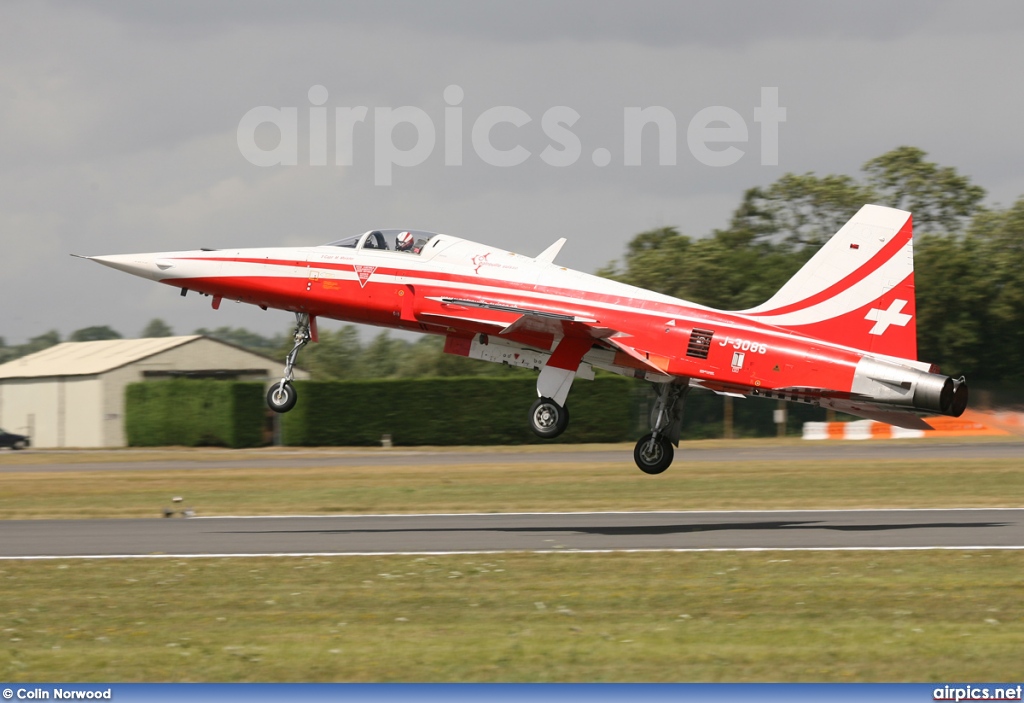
{"x": 858, "y": 290}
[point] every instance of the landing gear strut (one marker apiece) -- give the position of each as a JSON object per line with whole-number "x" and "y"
{"x": 653, "y": 452}
{"x": 282, "y": 396}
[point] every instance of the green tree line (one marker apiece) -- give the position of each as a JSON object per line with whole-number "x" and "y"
{"x": 969, "y": 273}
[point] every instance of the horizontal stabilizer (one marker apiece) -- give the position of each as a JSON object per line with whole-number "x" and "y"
{"x": 872, "y": 412}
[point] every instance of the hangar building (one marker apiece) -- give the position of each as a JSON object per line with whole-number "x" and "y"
{"x": 72, "y": 394}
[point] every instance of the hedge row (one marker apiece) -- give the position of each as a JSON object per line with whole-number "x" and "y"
{"x": 441, "y": 411}
{"x": 447, "y": 411}
{"x": 194, "y": 413}
{"x": 703, "y": 416}
{"x": 450, "y": 411}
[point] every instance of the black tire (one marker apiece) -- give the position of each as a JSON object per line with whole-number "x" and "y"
{"x": 653, "y": 459}
{"x": 548, "y": 419}
{"x": 282, "y": 397}
{"x": 20, "y": 444}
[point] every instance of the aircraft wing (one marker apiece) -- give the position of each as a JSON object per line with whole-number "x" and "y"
{"x": 501, "y": 307}
{"x": 648, "y": 362}
{"x": 528, "y": 319}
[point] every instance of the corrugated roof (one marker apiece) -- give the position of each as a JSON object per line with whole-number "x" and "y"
{"x": 89, "y": 358}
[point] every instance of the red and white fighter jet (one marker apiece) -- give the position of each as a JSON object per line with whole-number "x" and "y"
{"x": 840, "y": 334}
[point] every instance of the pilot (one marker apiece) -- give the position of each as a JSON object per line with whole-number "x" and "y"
{"x": 404, "y": 241}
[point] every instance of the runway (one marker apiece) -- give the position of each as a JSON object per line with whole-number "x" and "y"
{"x": 421, "y": 534}
{"x": 561, "y": 532}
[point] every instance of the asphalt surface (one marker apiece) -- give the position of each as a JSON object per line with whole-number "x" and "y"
{"x": 885, "y": 529}
{"x": 908, "y": 450}
{"x": 411, "y": 534}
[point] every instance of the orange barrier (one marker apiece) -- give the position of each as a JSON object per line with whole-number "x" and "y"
{"x": 972, "y": 423}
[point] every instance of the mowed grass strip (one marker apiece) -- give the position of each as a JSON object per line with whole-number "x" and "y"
{"x": 767, "y": 616}
{"x": 35, "y": 457}
{"x": 512, "y": 487}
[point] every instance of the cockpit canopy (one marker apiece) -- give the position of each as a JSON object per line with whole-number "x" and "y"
{"x": 407, "y": 240}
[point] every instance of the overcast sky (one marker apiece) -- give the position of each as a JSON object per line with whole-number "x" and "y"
{"x": 120, "y": 126}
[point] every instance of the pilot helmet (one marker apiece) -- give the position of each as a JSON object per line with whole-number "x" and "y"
{"x": 404, "y": 241}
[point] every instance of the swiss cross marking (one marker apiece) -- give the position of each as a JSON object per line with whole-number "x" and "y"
{"x": 884, "y": 318}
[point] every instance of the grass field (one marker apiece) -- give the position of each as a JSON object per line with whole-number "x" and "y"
{"x": 768, "y": 616}
{"x": 794, "y": 616}
{"x": 496, "y": 487}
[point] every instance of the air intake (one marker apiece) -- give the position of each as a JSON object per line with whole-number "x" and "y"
{"x": 700, "y": 343}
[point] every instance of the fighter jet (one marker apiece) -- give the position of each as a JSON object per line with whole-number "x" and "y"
{"x": 840, "y": 334}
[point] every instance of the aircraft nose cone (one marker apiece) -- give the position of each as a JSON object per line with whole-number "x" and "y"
{"x": 145, "y": 265}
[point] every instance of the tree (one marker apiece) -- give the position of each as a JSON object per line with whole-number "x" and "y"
{"x": 43, "y": 341}
{"x": 157, "y": 328}
{"x": 425, "y": 358}
{"x": 996, "y": 284}
{"x": 246, "y": 339}
{"x": 951, "y": 304}
{"x": 799, "y": 211}
{"x": 337, "y": 356}
{"x": 940, "y": 199}
{"x": 728, "y": 270}
{"x": 806, "y": 210}
{"x": 380, "y": 359}
{"x": 94, "y": 334}
{"x": 653, "y": 261}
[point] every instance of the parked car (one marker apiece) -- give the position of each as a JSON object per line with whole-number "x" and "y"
{"x": 14, "y": 441}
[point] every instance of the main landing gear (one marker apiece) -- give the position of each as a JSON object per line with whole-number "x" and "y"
{"x": 282, "y": 396}
{"x": 653, "y": 452}
{"x": 548, "y": 419}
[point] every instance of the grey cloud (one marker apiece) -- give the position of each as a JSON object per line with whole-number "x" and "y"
{"x": 119, "y": 124}
{"x": 646, "y": 22}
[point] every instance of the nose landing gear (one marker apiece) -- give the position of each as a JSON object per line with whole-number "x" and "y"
{"x": 282, "y": 396}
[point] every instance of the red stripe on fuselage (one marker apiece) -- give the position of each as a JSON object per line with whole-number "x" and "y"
{"x": 347, "y": 302}
{"x": 379, "y": 303}
{"x": 281, "y": 292}
{"x": 541, "y": 294}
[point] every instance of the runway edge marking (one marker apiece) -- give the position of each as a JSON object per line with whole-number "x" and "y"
{"x": 978, "y": 548}
{"x": 593, "y": 512}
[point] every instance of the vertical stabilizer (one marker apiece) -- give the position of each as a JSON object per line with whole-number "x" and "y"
{"x": 858, "y": 290}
